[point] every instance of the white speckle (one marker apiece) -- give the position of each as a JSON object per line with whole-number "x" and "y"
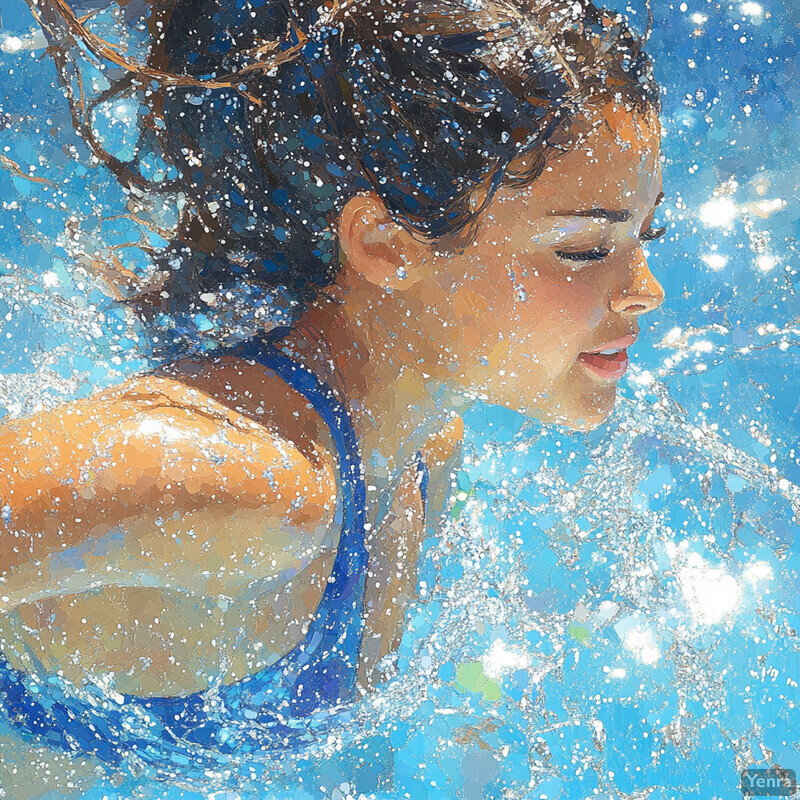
{"x": 710, "y": 593}
{"x": 644, "y": 378}
{"x": 11, "y": 44}
{"x": 642, "y": 645}
{"x": 501, "y": 660}
{"x": 715, "y": 261}
{"x": 758, "y": 571}
{"x": 606, "y": 610}
{"x": 751, "y": 9}
{"x": 764, "y": 208}
{"x": 673, "y": 336}
{"x": 618, "y": 672}
{"x": 34, "y": 40}
{"x": 719, "y": 212}
{"x": 154, "y": 427}
{"x": 766, "y": 262}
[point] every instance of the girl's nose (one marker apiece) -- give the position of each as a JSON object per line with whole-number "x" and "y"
{"x": 640, "y": 292}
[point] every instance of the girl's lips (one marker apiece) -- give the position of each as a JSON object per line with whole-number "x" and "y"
{"x": 611, "y": 367}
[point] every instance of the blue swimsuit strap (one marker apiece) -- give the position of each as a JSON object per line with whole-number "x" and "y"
{"x": 278, "y": 707}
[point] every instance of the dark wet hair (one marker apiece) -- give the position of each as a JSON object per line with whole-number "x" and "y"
{"x": 274, "y": 113}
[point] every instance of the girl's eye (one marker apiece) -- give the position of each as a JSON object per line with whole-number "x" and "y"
{"x": 601, "y": 252}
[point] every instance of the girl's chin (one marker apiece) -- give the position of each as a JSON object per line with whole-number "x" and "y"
{"x": 585, "y": 411}
{"x": 575, "y": 415}
{"x": 577, "y": 401}
{"x": 583, "y": 425}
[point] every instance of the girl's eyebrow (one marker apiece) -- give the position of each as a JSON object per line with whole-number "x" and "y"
{"x": 613, "y": 215}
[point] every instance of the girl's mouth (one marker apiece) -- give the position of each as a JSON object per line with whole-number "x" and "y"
{"x": 609, "y": 364}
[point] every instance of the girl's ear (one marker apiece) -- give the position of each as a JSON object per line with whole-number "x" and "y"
{"x": 381, "y": 251}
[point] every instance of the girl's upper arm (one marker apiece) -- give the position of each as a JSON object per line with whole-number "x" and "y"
{"x": 150, "y": 448}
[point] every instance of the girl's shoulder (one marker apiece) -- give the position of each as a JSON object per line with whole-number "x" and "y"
{"x": 238, "y": 393}
{"x": 190, "y": 437}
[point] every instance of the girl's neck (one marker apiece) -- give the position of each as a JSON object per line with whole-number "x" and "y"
{"x": 392, "y": 409}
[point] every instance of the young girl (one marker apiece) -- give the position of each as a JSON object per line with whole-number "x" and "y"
{"x": 395, "y": 210}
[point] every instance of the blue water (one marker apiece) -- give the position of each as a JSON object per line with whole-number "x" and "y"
{"x": 607, "y": 615}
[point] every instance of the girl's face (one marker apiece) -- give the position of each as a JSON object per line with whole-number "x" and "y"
{"x": 556, "y": 271}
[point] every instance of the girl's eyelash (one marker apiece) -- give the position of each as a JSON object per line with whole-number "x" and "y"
{"x": 601, "y": 252}
{"x": 590, "y": 255}
{"x": 653, "y": 233}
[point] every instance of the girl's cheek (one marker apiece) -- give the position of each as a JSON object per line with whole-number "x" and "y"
{"x": 580, "y": 301}
{"x": 590, "y": 304}
{"x": 472, "y": 318}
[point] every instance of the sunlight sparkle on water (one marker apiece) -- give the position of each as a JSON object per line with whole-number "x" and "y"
{"x": 33, "y": 40}
{"x": 758, "y": 571}
{"x": 766, "y": 262}
{"x": 502, "y": 660}
{"x": 715, "y": 261}
{"x": 642, "y": 645}
{"x": 711, "y": 594}
{"x": 718, "y": 213}
{"x": 751, "y": 9}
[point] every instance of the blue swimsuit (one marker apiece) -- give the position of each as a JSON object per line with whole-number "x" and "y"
{"x": 283, "y": 706}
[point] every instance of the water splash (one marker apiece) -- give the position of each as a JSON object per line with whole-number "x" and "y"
{"x": 581, "y": 586}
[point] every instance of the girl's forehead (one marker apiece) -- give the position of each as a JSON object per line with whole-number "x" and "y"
{"x": 602, "y": 170}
